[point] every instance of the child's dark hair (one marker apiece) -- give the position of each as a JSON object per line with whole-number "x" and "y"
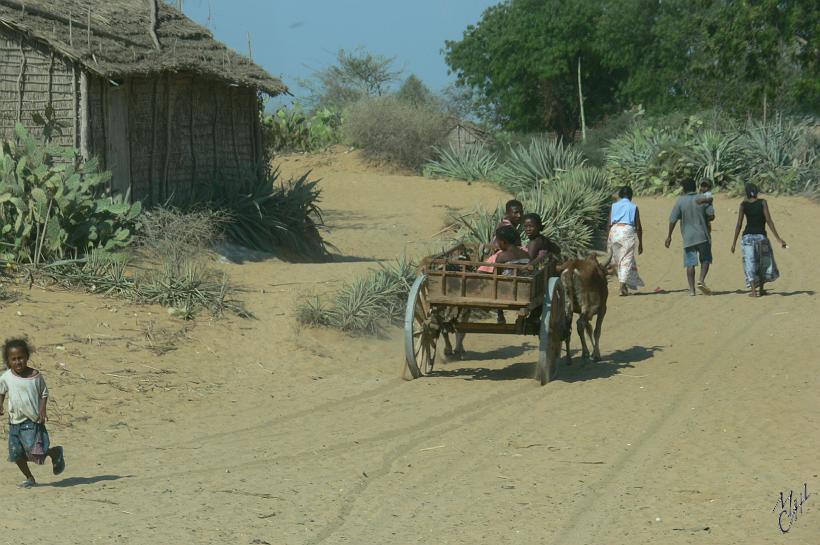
{"x": 506, "y": 233}
{"x": 706, "y": 184}
{"x": 512, "y": 204}
{"x": 689, "y": 185}
{"x": 16, "y": 342}
{"x": 535, "y": 218}
{"x": 751, "y": 190}
{"x": 625, "y": 192}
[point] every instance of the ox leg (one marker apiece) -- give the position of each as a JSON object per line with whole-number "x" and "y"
{"x": 583, "y": 325}
{"x": 464, "y": 317}
{"x": 448, "y": 348}
{"x": 592, "y": 339}
{"x": 596, "y": 343}
{"x": 566, "y": 344}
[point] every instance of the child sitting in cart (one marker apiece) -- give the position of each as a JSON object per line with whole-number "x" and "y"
{"x": 509, "y": 252}
{"x": 539, "y": 247}
{"x": 514, "y": 211}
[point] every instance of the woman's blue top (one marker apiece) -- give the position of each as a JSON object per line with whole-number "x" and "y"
{"x": 623, "y": 211}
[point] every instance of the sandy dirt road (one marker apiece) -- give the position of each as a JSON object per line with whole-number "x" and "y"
{"x": 254, "y": 431}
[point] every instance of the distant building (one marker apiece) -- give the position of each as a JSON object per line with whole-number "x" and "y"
{"x": 151, "y": 93}
{"x": 464, "y": 134}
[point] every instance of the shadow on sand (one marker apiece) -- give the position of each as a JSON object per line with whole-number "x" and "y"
{"x": 77, "y": 481}
{"x": 611, "y": 364}
{"x": 579, "y": 370}
{"x": 655, "y": 292}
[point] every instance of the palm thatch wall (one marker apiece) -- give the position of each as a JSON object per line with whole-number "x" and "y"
{"x": 136, "y": 83}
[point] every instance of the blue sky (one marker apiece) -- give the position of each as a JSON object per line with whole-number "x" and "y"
{"x": 292, "y": 38}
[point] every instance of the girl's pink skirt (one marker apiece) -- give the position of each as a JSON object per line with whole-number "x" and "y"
{"x": 491, "y": 259}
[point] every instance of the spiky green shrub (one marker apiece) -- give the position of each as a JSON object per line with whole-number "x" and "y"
{"x": 389, "y": 129}
{"x": 50, "y": 208}
{"x": 781, "y": 156}
{"x": 366, "y": 305}
{"x": 716, "y": 157}
{"x": 462, "y": 163}
{"x": 273, "y": 215}
{"x": 573, "y": 208}
{"x": 654, "y": 156}
{"x": 637, "y": 157}
{"x": 540, "y": 161}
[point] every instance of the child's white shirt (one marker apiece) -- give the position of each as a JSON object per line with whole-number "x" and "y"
{"x": 24, "y": 395}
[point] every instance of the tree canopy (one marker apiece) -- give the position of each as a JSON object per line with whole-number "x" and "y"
{"x": 356, "y": 74}
{"x": 521, "y": 58}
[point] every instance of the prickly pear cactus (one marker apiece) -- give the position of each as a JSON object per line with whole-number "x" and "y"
{"x": 51, "y": 210}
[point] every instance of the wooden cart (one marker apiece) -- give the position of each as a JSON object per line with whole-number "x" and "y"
{"x": 450, "y": 283}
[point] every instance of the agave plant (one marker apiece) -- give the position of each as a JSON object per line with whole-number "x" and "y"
{"x": 572, "y": 208}
{"x": 716, "y": 157}
{"x": 270, "y": 216}
{"x": 462, "y": 163}
{"x": 367, "y": 304}
{"x": 782, "y": 156}
{"x": 542, "y": 160}
{"x": 636, "y": 159}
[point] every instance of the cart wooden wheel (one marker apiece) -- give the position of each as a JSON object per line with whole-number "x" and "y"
{"x": 552, "y": 315}
{"x": 420, "y": 331}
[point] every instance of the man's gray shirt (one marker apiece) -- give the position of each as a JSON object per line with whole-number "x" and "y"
{"x": 693, "y": 219}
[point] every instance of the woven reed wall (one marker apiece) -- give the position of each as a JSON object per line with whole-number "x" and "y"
{"x": 31, "y": 78}
{"x": 183, "y": 131}
{"x": 164, "y": 135}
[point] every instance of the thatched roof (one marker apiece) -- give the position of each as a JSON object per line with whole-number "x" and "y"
{"x": 124, "y": 35}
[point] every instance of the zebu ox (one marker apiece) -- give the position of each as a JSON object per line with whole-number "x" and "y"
{"x": 585, "y": 293}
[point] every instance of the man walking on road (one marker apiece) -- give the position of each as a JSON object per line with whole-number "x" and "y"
{"x": 694, "y": 213}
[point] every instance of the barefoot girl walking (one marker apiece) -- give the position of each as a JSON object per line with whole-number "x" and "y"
{"x": 28, "y": 397}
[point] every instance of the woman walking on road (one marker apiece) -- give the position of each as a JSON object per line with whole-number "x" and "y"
{"x": 758, "y": 258}
{"x": 625, "y": 237}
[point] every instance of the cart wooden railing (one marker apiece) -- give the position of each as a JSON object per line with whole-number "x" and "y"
{"x": 450, "y": 282}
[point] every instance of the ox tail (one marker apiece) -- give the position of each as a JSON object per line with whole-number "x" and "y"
{"x": 568, "y": 284}
{"x": 608, "y": 258}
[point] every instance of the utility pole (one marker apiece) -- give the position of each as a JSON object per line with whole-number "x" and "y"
{"x": 581, "y": 101}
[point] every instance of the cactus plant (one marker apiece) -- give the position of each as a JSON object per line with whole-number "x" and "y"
{"x": 52, "y": 205}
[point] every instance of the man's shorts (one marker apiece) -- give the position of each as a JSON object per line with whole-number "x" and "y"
{"x": 699, "y": 252}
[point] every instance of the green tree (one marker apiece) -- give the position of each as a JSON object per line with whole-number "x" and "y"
{"x": 414, "y": 91}
{"x": 522, "y": 58}
{"x": 675, "y": 55}
{"x": 355, "y": 75}
{"x": 680, "y": 54}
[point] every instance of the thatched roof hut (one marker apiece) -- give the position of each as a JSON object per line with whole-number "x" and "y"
{"x": 135, "y": 82}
